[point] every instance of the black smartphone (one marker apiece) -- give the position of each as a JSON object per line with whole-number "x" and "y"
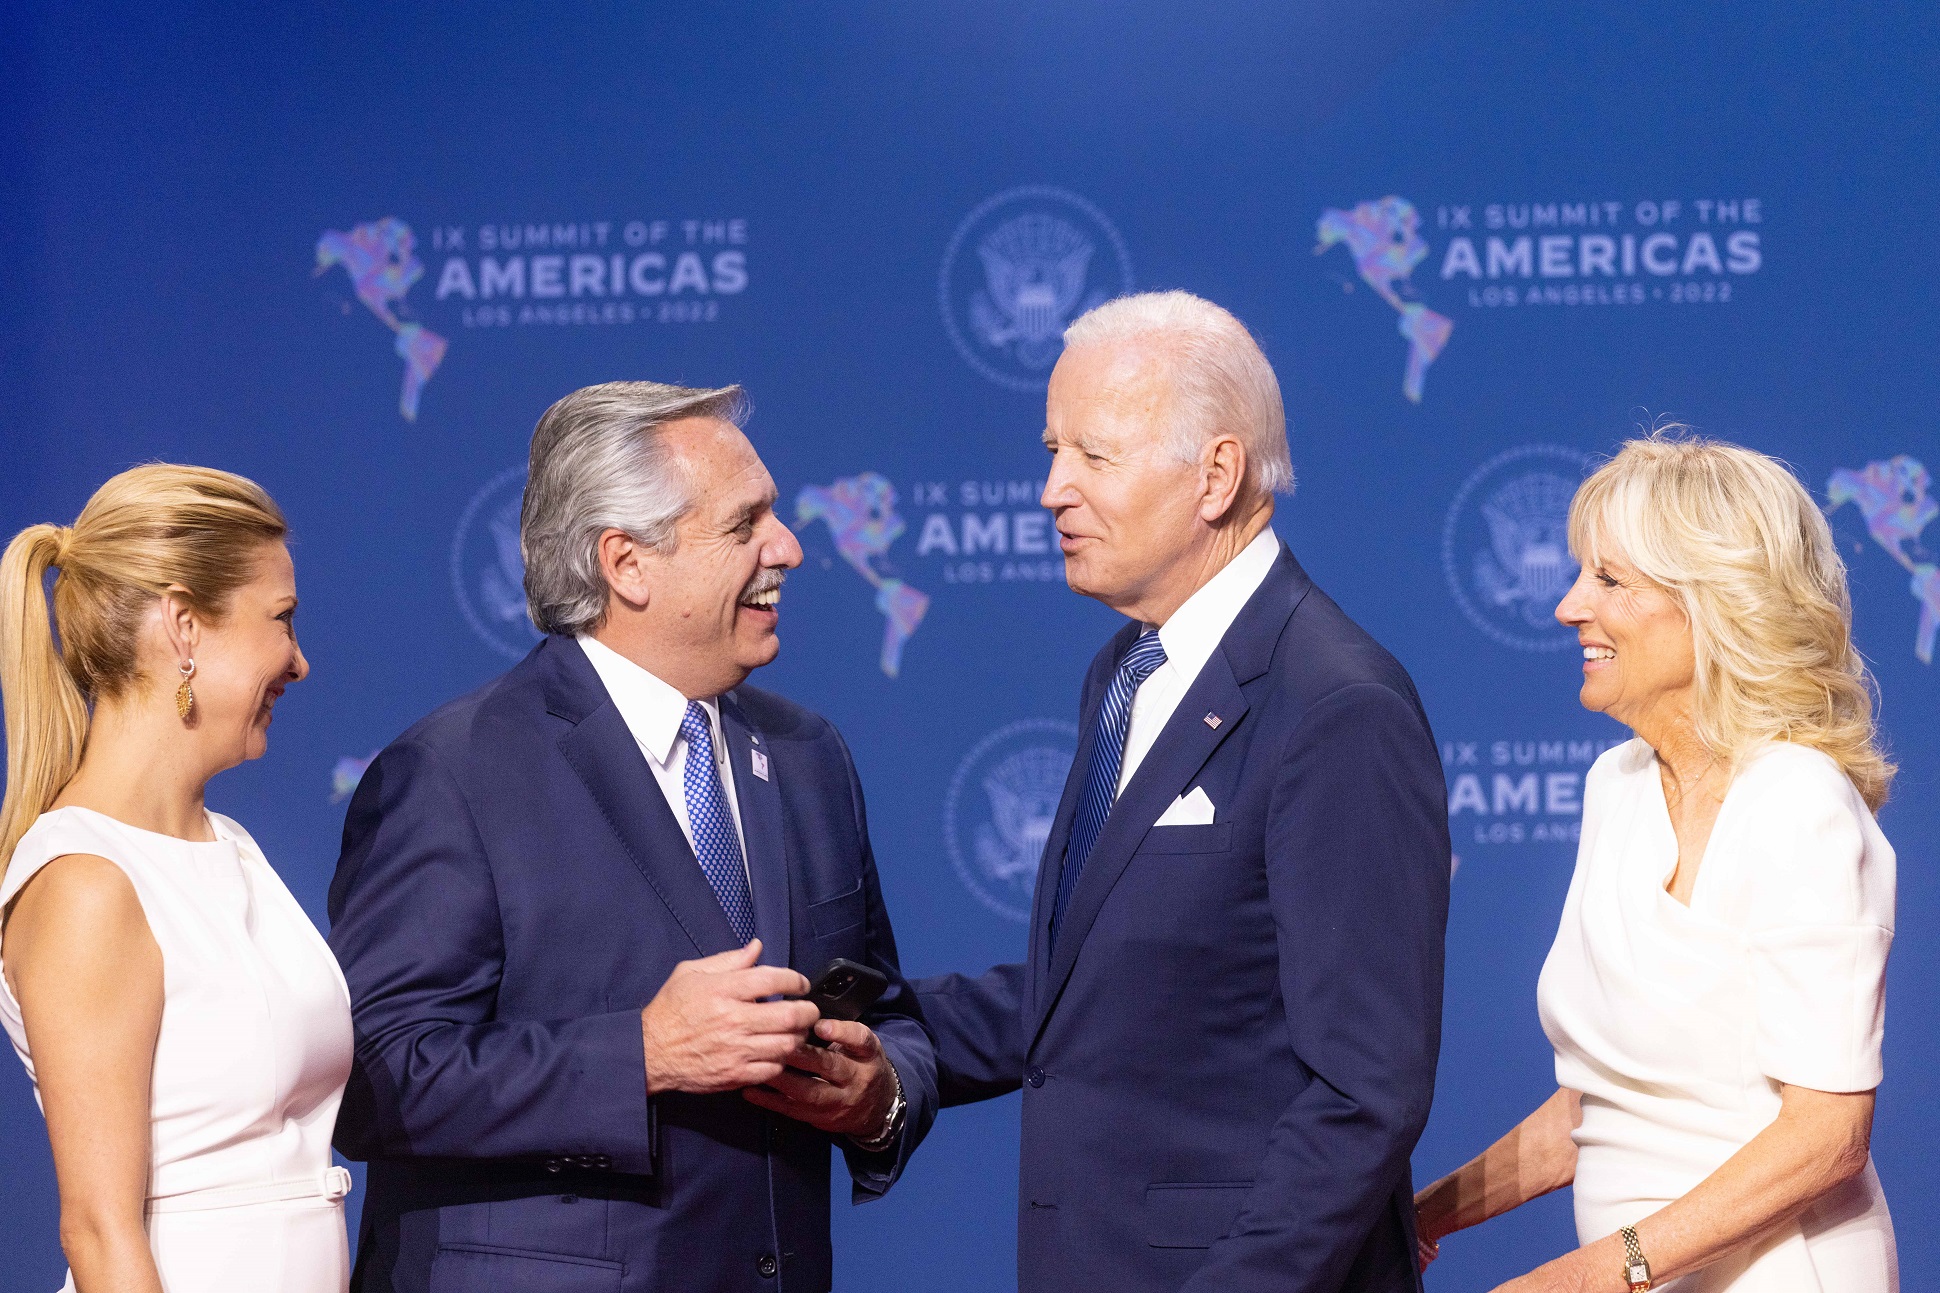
{"x": 843, "y": 990}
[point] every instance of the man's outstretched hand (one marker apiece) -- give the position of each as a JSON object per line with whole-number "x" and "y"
{"x": 708, "y": 1028}
{"x": 845, "y": 1090}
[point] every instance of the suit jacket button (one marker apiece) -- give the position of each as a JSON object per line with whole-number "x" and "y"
{"x": 603, "y": 1162}
{"x": 1034, "y": 1075}
{"x": 554, "y": 1166}
{"x": 767, "y": 1266}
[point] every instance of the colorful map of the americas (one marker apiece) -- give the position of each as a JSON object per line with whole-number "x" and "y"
{"x": 860, "y": 512}
{"x": 1892, "y": 496}
{"x": 381, "y": 259}
{"x": 1382, "y": 239}
{"x": 348, "y": 771}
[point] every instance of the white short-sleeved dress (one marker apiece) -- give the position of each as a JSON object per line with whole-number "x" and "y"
{"x": 1678, "y": 1023}
{"x": 250, "y": 1063}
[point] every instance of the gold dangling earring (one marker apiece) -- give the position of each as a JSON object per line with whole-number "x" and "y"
{"x": 185, "y": 694}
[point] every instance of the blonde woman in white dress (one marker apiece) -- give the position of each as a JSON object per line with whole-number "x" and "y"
{"x": 1715, "y": 994}
{"x": 185, "y": 1026}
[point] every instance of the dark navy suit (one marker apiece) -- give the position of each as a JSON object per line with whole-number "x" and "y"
{"x": 1229, "y": 1053}
{"x": 513, "y": 890}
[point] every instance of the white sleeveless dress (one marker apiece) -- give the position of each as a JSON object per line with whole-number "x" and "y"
{"x": 1679, "y": 1023}
{"x": 250, "y": 1063}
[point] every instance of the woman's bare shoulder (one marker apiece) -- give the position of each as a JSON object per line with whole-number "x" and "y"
{"x": 74, "y": 893}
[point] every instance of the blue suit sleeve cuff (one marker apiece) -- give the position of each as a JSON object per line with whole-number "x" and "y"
{"x": 615, "y": 1047}
{"x": 871, "y": 1175}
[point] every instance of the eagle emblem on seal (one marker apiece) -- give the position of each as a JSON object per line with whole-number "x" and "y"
{"x": 1035, "y": 268}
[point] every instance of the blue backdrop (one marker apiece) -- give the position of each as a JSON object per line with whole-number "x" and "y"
{"x": 355, "y": 253}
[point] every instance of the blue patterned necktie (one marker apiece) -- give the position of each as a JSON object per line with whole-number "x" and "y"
{"x": 716, "y": 846}
{"x": 1107, "y": 757}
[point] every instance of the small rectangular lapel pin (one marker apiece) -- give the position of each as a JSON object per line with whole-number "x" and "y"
{"x": 1213, "y": 721}
{"x": 759, "y": 762}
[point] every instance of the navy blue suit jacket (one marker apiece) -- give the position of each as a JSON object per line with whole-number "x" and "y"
{"x": 1229, "y": 1053}
{"x": 513, "y": 890}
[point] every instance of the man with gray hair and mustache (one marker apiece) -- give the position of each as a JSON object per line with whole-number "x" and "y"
{"x": 574, "y": 908}
{"x": 1227, "y": 1025}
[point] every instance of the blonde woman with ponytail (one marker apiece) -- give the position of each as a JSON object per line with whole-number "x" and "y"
{"x": 1716, "y": 991}
{"x": 185, "y": 1026}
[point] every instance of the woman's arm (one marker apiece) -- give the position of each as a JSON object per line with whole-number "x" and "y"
{"x": 1818, "y": 1141}
{"x": 1534, "y": 1158}
{"x": 84, "y": 966}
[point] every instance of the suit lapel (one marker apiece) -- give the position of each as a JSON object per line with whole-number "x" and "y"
{"x": 1168, "y": 769}
{"x": 1183, "y": 747}
{"x": 604, "y": 755}
{"x": 759, "y": 799}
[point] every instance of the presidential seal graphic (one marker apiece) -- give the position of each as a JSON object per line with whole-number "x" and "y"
{"x": 487, "y": 569}
{"x": 999, "y": 810}
{"x": 1017, "y": 271}
{"x": 1505, "y": 546}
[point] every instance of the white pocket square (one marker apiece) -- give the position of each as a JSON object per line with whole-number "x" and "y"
{"x": 1190, "y": 809}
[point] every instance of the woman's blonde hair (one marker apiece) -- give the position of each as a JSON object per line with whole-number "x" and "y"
{"x": 148, "y": 530}
{"x": 1737, "y": 540}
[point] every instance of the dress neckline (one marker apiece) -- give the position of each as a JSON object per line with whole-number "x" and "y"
{"x": 1661, "y": 815}
{"x": 221, "y": 840}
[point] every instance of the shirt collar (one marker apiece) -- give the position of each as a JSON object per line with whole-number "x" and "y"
{"x": 651, "y": 708}
{"x": 1195, "y": 629}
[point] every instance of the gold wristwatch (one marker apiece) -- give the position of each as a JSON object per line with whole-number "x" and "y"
{"x": 1635, "y": 1269}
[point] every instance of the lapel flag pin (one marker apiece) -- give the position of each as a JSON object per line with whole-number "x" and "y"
{"x": 1213, "y": 721}
{"x": 759, "y": 762}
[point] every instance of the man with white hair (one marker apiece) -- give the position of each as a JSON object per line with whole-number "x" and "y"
{"x": 1227, "y": 1027}
{"x": 575, "y": 909}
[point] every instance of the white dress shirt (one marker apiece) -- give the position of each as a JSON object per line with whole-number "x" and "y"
{"x": 652, "y": 711}
{"x": 1189, "y": 638}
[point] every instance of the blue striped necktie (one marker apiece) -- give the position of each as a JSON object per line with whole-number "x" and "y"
{"x": 716, "y": 847}
{"x": 1107, "y": 757}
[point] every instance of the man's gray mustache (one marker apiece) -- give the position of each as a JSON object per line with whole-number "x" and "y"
{"x": 765, "y": 580}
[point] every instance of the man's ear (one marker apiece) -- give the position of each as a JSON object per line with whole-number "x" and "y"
{"x": 1223, "y": 469}
{"x": 622, "y": 562}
